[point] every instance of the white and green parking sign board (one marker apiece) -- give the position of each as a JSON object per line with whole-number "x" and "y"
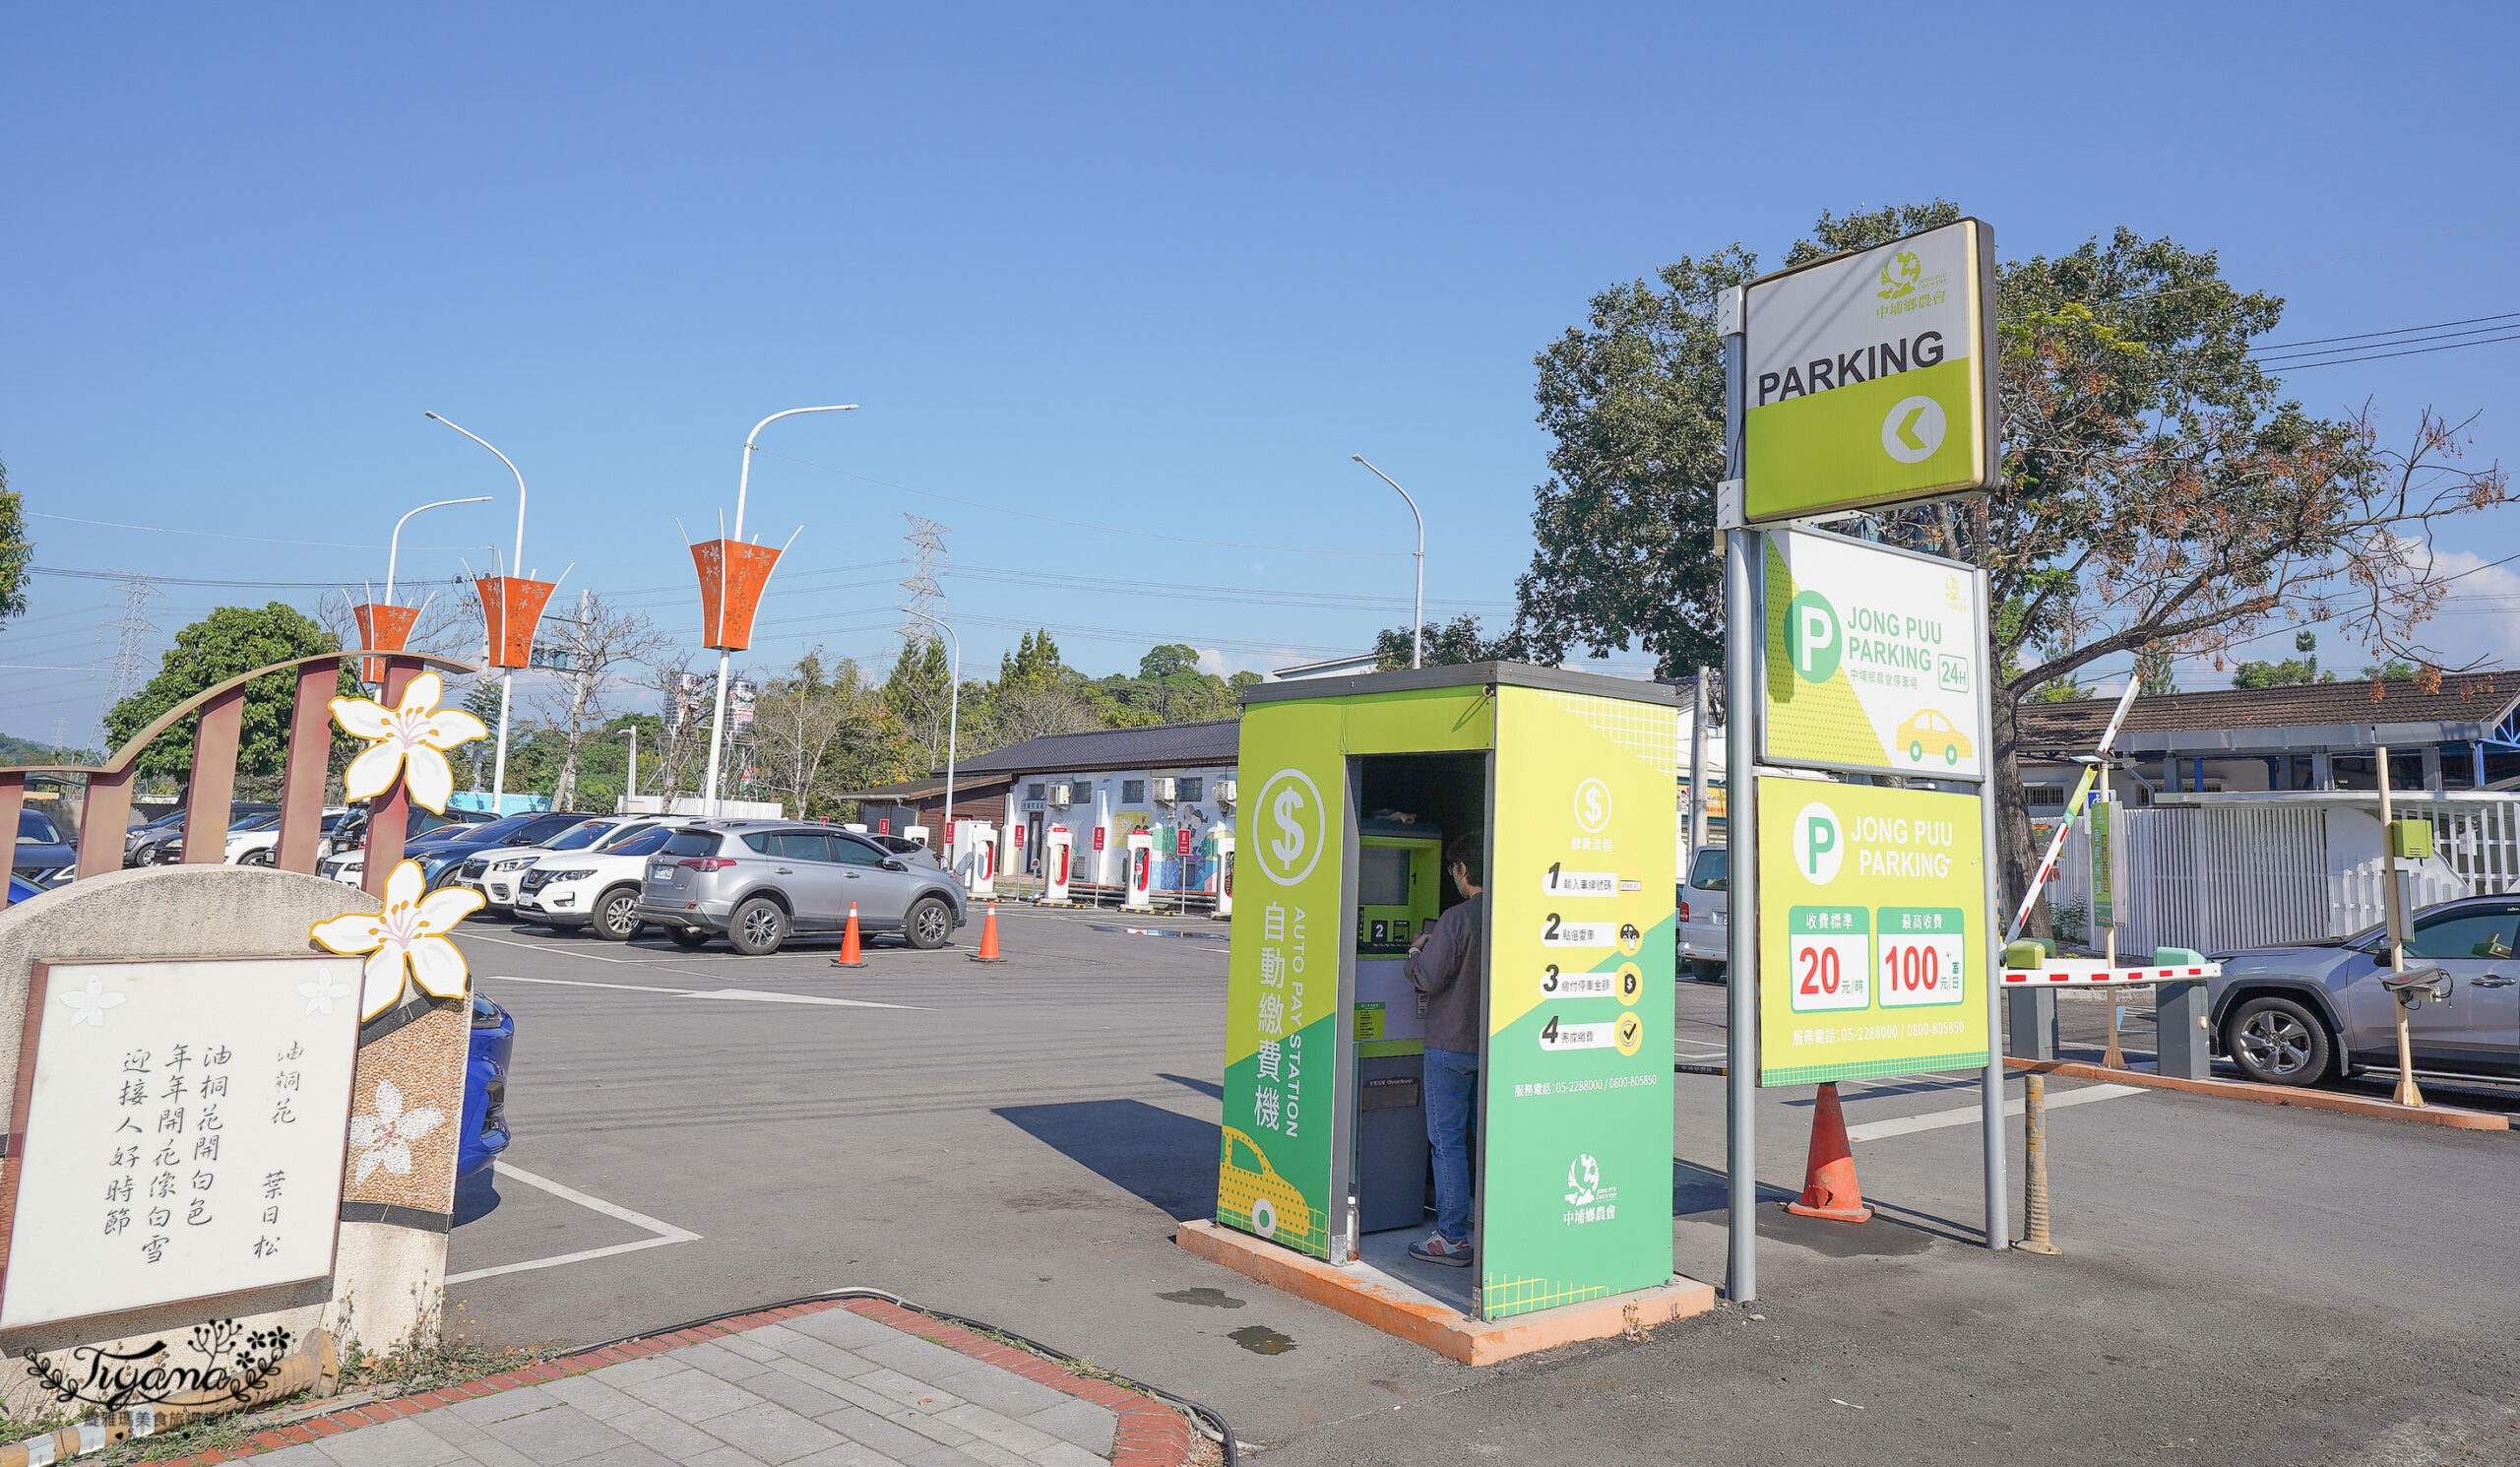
{"x": 1874, "y": 661}
{"x": 1869, "y": 377}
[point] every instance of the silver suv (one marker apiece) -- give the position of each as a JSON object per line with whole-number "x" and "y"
{"x": 755, "y": 882}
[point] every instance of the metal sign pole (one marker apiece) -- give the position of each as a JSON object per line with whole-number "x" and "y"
{"x": 1990, "y": 1088}
{"x": 1742, "y": 630}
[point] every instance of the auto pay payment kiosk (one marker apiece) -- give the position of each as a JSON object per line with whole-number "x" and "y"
{"x": 1352, "y": 787}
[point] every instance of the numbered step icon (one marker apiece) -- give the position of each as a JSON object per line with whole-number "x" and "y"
{"x": 1554, "y": 983}
{"x": 1557, "y": 881}
{"x": 1557, "y": 932}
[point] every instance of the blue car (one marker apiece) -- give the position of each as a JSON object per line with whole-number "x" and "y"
{"x": 20, "y": 888}
{"x": 485, "y": 1088}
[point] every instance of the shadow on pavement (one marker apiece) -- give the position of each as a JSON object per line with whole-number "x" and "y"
{"x": 476, "y": 1196}
{"x": 1698, "y": 1195}
{"x": 1208, "y": 1087}
{"x": 1164, "y": 1157}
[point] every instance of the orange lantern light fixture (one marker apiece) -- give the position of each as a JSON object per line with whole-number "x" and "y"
{"x": 731, "y": 577}
{"x": 511, "y": 607}
{"x": 385, "y": 627}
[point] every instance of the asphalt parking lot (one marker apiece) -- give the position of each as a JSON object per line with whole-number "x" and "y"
{"x": 702, "y": 1132}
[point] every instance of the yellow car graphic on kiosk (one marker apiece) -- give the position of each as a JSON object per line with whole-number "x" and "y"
{"x": 1247, "y": 1185}
{"x": 1929, "y": 731}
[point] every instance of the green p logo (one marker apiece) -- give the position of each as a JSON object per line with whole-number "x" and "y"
{"x": 1812, "y": 634}
{"x": 1817, "y": 846}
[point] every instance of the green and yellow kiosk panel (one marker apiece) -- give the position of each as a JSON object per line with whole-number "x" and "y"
{"x": 1352, "y": 788}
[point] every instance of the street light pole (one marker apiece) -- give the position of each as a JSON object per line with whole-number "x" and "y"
{"x": 507, "y": 675}
{"x": 953, "y": 713}
{"x": 634, "y": 762}
{"x": 394, "y": 547}
{"x": 726, "y": 656}
{"x": 1418, "y": 611}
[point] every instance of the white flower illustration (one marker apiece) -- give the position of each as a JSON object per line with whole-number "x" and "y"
{"x": 404, "y": 936}
{"x": 320, "y": 994}
{"x": 384, "y": 1139}
{"x": 407, "y": 740}
{"x": 89, "y": 1007}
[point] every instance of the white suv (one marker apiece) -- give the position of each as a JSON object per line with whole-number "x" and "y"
{"x": 596, "y": 887}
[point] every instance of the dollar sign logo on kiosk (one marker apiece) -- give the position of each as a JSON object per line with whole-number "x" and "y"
{"x": 1593, "y": 806}
{"x": 1290, "y": 847}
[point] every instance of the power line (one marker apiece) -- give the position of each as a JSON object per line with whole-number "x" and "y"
{"x": 1177, "y": 591}
{"x": 2384, "y": 356}
{"x": 1182, "y": 539}
{"x": 2367, "y": 335}
{"x": 320, "y": 545}
{"x": 116, "y": 575}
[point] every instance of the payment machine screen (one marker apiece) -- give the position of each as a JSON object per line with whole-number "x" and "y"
{"x": 1382, "y": 876}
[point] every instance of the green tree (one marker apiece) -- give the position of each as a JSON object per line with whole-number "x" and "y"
{"x": 16, "y": 550}
{"x": 2395, "y": 669}
{"x": 229, "y": 641}
{"x": 1446, "y": 644}
{"x": 2291, "y": 671}
{"x": 919, "y": 692}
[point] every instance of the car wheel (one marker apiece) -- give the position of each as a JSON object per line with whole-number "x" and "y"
{"x": 1916, "y": 750}
{"x": 1706, "y": 973}
{"x": 757, "y": 928}
{"x": 691, "y": 937}
{"x": 2278, "y": 1041}
{"x": 262, "y": 857}
{"x": 929, "y": 925}
{"x": 1951, "y": 753}
{"x": 616, "y": 915}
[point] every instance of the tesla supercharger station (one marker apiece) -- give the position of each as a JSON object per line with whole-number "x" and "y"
{"x": 918, "y": 833}
{"x": 1139, "y": 874}
{"x": 1221, "y": 851}
{"x": 1010, "y": 848}
{"x": 1058, "y": 864}
{"x": 974, "y": 856}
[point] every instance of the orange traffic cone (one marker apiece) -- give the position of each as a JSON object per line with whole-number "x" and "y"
{"x": 988, "y": 938}
{"x": 1829, "y": 1187}
{"x": 849, "y": 957}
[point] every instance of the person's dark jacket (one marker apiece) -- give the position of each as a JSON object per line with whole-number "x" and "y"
{"x": 1450, "y": 969}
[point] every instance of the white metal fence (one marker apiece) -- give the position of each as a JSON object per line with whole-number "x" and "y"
{"x": 2225, "y": 873}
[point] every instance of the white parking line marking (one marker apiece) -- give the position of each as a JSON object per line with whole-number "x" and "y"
{"x": 665, "y": 1233}
{"x": 753, "y": 995}
{"x": 1874, "y": 1130}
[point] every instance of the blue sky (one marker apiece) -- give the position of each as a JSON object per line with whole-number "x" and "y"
{"x": 1146, "y": 269}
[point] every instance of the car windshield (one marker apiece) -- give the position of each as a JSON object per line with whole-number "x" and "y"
{"x": 578, "y": 838}
{"x": 36, "y": 828}
{"x": 645, "y": 843}
{"x": 1713, "y": 871}
{"x": 255, "y": 822}
{"x": 540, "y": 829}
{"x": 492, "y": 830}
{"x": 624, "y": 833}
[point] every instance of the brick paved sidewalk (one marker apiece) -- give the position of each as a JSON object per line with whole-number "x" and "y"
{"x": 816, "y": 1385}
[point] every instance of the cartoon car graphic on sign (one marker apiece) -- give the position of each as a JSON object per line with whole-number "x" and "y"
{"x": 1929, "y": 731}
{"x": 1249, "y": 1185}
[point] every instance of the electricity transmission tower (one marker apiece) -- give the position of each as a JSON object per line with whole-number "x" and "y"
{"x": 127, "y": 673}
{"x": 927, "y": 560}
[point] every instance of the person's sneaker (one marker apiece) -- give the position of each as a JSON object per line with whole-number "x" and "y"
{"x": 1438, "y": 1249}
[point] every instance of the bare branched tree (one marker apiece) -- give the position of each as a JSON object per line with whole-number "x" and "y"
{"x": 596, "y": 640}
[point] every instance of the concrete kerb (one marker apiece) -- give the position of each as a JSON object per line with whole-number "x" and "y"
{"x": 1420, "y": 1321}
{"x": 1150, "y": 1434}
{"x": 2275, "y": 1095}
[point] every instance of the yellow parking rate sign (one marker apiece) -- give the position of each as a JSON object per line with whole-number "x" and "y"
{"x": 1872, "y": 937}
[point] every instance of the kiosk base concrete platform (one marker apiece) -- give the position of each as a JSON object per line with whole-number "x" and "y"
{"x": 1367, "y": 1294}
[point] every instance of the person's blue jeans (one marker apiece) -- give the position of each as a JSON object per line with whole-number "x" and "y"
{"x": 1452, "y": 1099}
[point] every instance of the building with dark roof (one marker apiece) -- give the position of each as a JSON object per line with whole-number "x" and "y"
{"x": 2458, "y": 734}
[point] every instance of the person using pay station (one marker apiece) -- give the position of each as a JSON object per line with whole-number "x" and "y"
{"x": 1447, "y": 963}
